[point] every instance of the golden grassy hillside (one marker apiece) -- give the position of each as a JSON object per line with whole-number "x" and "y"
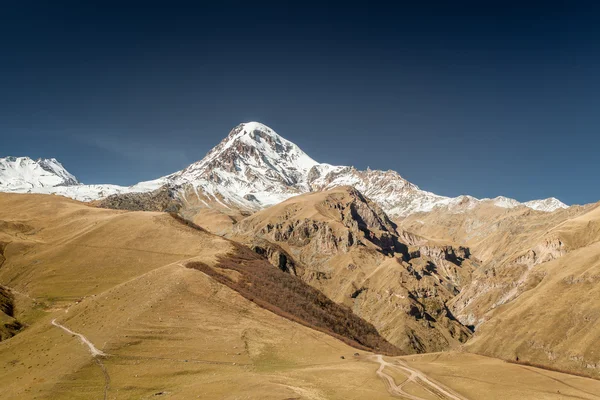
{"x": 59, "y": 250}
{"x": 177, "y": 332}
{"x": 555, "y": 321}
{"x": 119, "y": 279}
{"x": 112, "y": 311}
{"x": 478, "y": 377}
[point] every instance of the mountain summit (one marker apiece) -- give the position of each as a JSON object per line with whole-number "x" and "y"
{"x": 253, "y": 168}
{"x": 253, "y": 146}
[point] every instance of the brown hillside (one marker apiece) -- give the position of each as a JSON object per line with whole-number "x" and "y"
{"x": 534, "y": 297}
{"x": 163, "y": 330}
{"x": 255, "y": 279}
{"x": 344, "y": 245}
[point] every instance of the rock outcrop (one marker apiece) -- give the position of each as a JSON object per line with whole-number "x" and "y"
{"x": 165, "y": 199}
{"x": 9, "y": 325}
{"x": 343, "y": 244}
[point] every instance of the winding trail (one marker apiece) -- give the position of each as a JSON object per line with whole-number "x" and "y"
{"x": 416, "y": 377}
{"x": 95, "y": 352}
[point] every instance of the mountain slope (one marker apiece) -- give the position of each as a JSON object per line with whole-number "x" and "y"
{"x": 119, "y": 279}
{"x": 534, "y": 297}
{"x": 253, "y": 168}
{"x": 344, "y": 245}
{"x": 56, "y": 246}
{"x": 550, "y": 315}
{"x": 125, "y": 281}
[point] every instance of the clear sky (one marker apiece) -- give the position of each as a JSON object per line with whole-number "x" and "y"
{"x": 458, "y": 97}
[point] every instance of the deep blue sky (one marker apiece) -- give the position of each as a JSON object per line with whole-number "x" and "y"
{"x": 458, "y": 98}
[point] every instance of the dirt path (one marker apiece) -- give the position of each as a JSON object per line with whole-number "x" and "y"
{"x": 414, "y": 376}
{"x": 95, "y": 352}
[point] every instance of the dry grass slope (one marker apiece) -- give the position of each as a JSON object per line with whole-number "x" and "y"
{"x": 288, "y": 296}
{"x": 168, "y": 331}
{"x": 535, "y": 297}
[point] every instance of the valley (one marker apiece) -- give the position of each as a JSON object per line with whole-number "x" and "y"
{"x": 259, "y": 272}
{"x": 109, "y": 326}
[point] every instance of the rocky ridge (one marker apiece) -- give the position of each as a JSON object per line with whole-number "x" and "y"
{"x": 344, "y": 244}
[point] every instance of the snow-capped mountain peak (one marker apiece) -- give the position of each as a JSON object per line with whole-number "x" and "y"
{"x": 24, "y": 173}
{"x": 252, "y": 168}
{"x": 253, "y": 144}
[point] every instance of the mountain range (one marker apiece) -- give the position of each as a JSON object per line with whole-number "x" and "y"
{"x": 258, "y": 270}
{"x": 250, "y": 169}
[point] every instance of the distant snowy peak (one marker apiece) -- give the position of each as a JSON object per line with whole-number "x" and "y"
{"x": 48, "y": 176}
{"x": 254, "y": 167}
{"x": 464, "y": 203}
{"x": 23, "y": 173}
{"x": 257, "y": 145}
{"x": 395, "y": 195}
{"x": 503, "y": 202}
{"x": 550, "y": 204}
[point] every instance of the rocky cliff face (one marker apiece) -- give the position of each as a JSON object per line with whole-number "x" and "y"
{"x": 9, "y": 326}
{"x": 276, "y": 256}
{"x": 498, "y": 283}
{"x": 344, "y": 245}
{"x": 164, "y": 199}
{"x": 509, "y": 243}
{"x": 357, "y": 221}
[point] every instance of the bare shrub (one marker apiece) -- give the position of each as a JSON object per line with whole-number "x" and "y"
{"x": 290, "y": 297}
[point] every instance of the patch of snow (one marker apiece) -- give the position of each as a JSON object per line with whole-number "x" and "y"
{"x": 503, "y": 202}
{"x": 548, "y": 205}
